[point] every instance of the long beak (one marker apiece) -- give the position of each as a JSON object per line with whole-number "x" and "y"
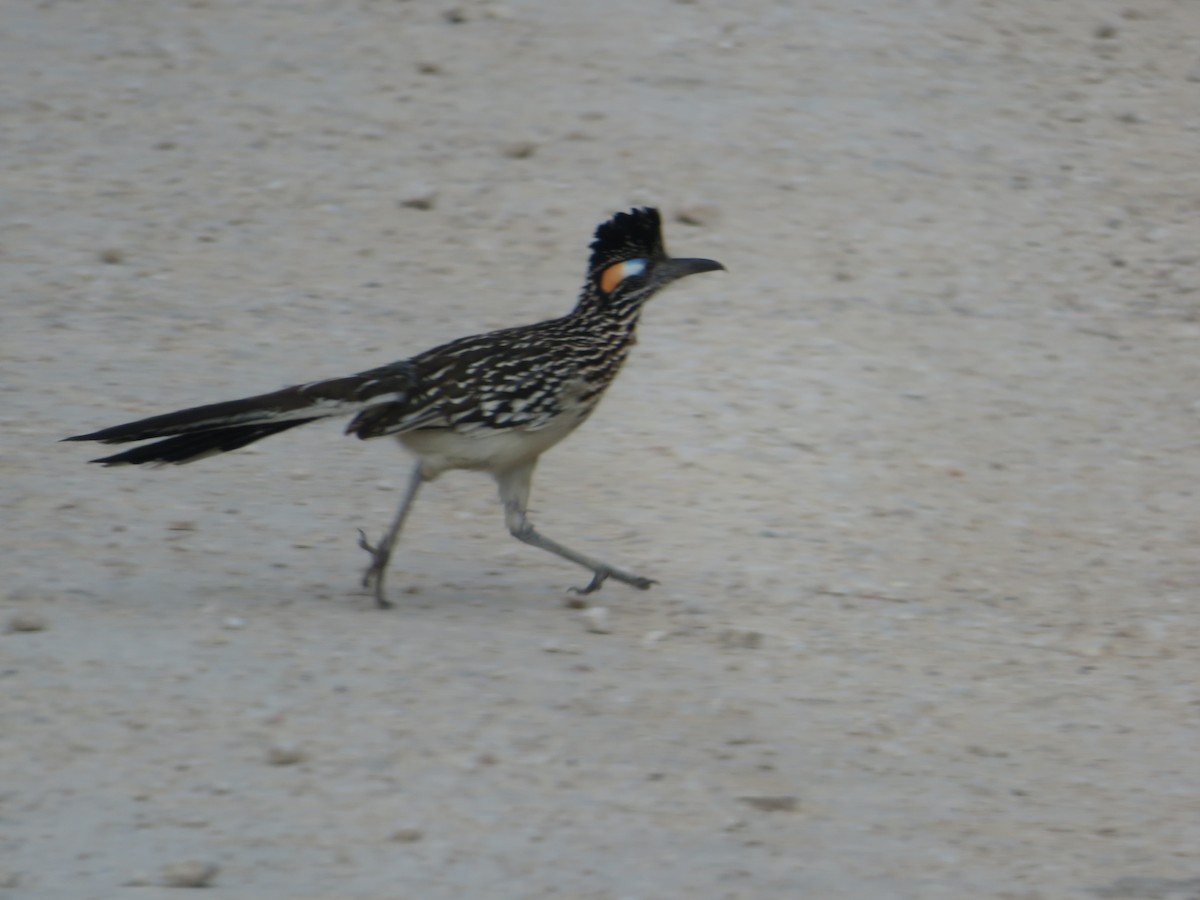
{"x": 673, "y": 269}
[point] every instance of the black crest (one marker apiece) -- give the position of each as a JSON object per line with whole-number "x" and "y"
{"x": 636, "y": 234}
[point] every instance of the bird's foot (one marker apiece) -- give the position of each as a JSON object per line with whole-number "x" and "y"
{"x": 603, "y": 573}
{"x": 375, "y": 572}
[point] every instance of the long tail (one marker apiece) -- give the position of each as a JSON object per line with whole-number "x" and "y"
{"x": 203, "y": 431}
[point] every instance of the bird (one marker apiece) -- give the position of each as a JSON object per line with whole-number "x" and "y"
{"x": 492, "y": 402}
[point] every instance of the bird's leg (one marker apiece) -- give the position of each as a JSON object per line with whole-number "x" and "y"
{"x": 382, "y": 552}
{"x": 514, "y": 493}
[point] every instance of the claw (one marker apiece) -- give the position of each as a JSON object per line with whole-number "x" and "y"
{"x": 374, "y": 573}
{"x": 363, "y": 542}
{"x": 598, "y": 579}
{"x": 599, "y": 576}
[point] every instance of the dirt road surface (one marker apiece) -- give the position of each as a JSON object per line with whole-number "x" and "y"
{"x": 918, "y": 475}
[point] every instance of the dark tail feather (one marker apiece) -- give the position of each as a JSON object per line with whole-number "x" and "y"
{"x": 187, "y": 448}
{"x": 281, "y": 407}
{"x": 219, "y": 427}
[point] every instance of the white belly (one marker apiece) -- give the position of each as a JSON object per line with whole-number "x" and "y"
{"x": 484, "y": 449}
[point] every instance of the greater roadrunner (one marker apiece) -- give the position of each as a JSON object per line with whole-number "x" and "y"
{"x": 491, "y": 402}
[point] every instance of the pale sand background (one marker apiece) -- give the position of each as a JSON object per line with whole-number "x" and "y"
{"x": 931, "y": 444}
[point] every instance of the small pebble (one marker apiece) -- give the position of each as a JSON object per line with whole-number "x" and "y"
{"x": 407, "y": 835}
{"x": 520, "y": 149}
{"x": 233, "y": 623}
{"x": 773, "y": 804}
{"x": 697, "y": 214}
{"x": 191, "y": 874}
{"x": 27, "y": 621}
{"x": 420, "y": 196}
{"x": 653, "y": 638}
{"x": 285, "y": 754}
{"x": 553, "y": 646}
{"x": 596, "y": 620}
{"x": 111, "y": 256}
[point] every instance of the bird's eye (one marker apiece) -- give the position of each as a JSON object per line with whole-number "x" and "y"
{"x": 618, "y": 272}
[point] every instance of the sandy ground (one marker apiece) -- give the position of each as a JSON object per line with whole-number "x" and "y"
{"x": 918, "y": 476}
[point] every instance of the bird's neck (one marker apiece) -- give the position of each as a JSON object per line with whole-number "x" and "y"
{"x": 615, "y": 323}
{"x": 611, "y": 309}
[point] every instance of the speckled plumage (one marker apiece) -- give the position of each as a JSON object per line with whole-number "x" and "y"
{"x": 492, "y": 402}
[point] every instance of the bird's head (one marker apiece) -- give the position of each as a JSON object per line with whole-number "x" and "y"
{"x": 629, "y": 262}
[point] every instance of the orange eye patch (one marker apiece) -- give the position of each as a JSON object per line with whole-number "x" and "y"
{"x": 618, "y": 272}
